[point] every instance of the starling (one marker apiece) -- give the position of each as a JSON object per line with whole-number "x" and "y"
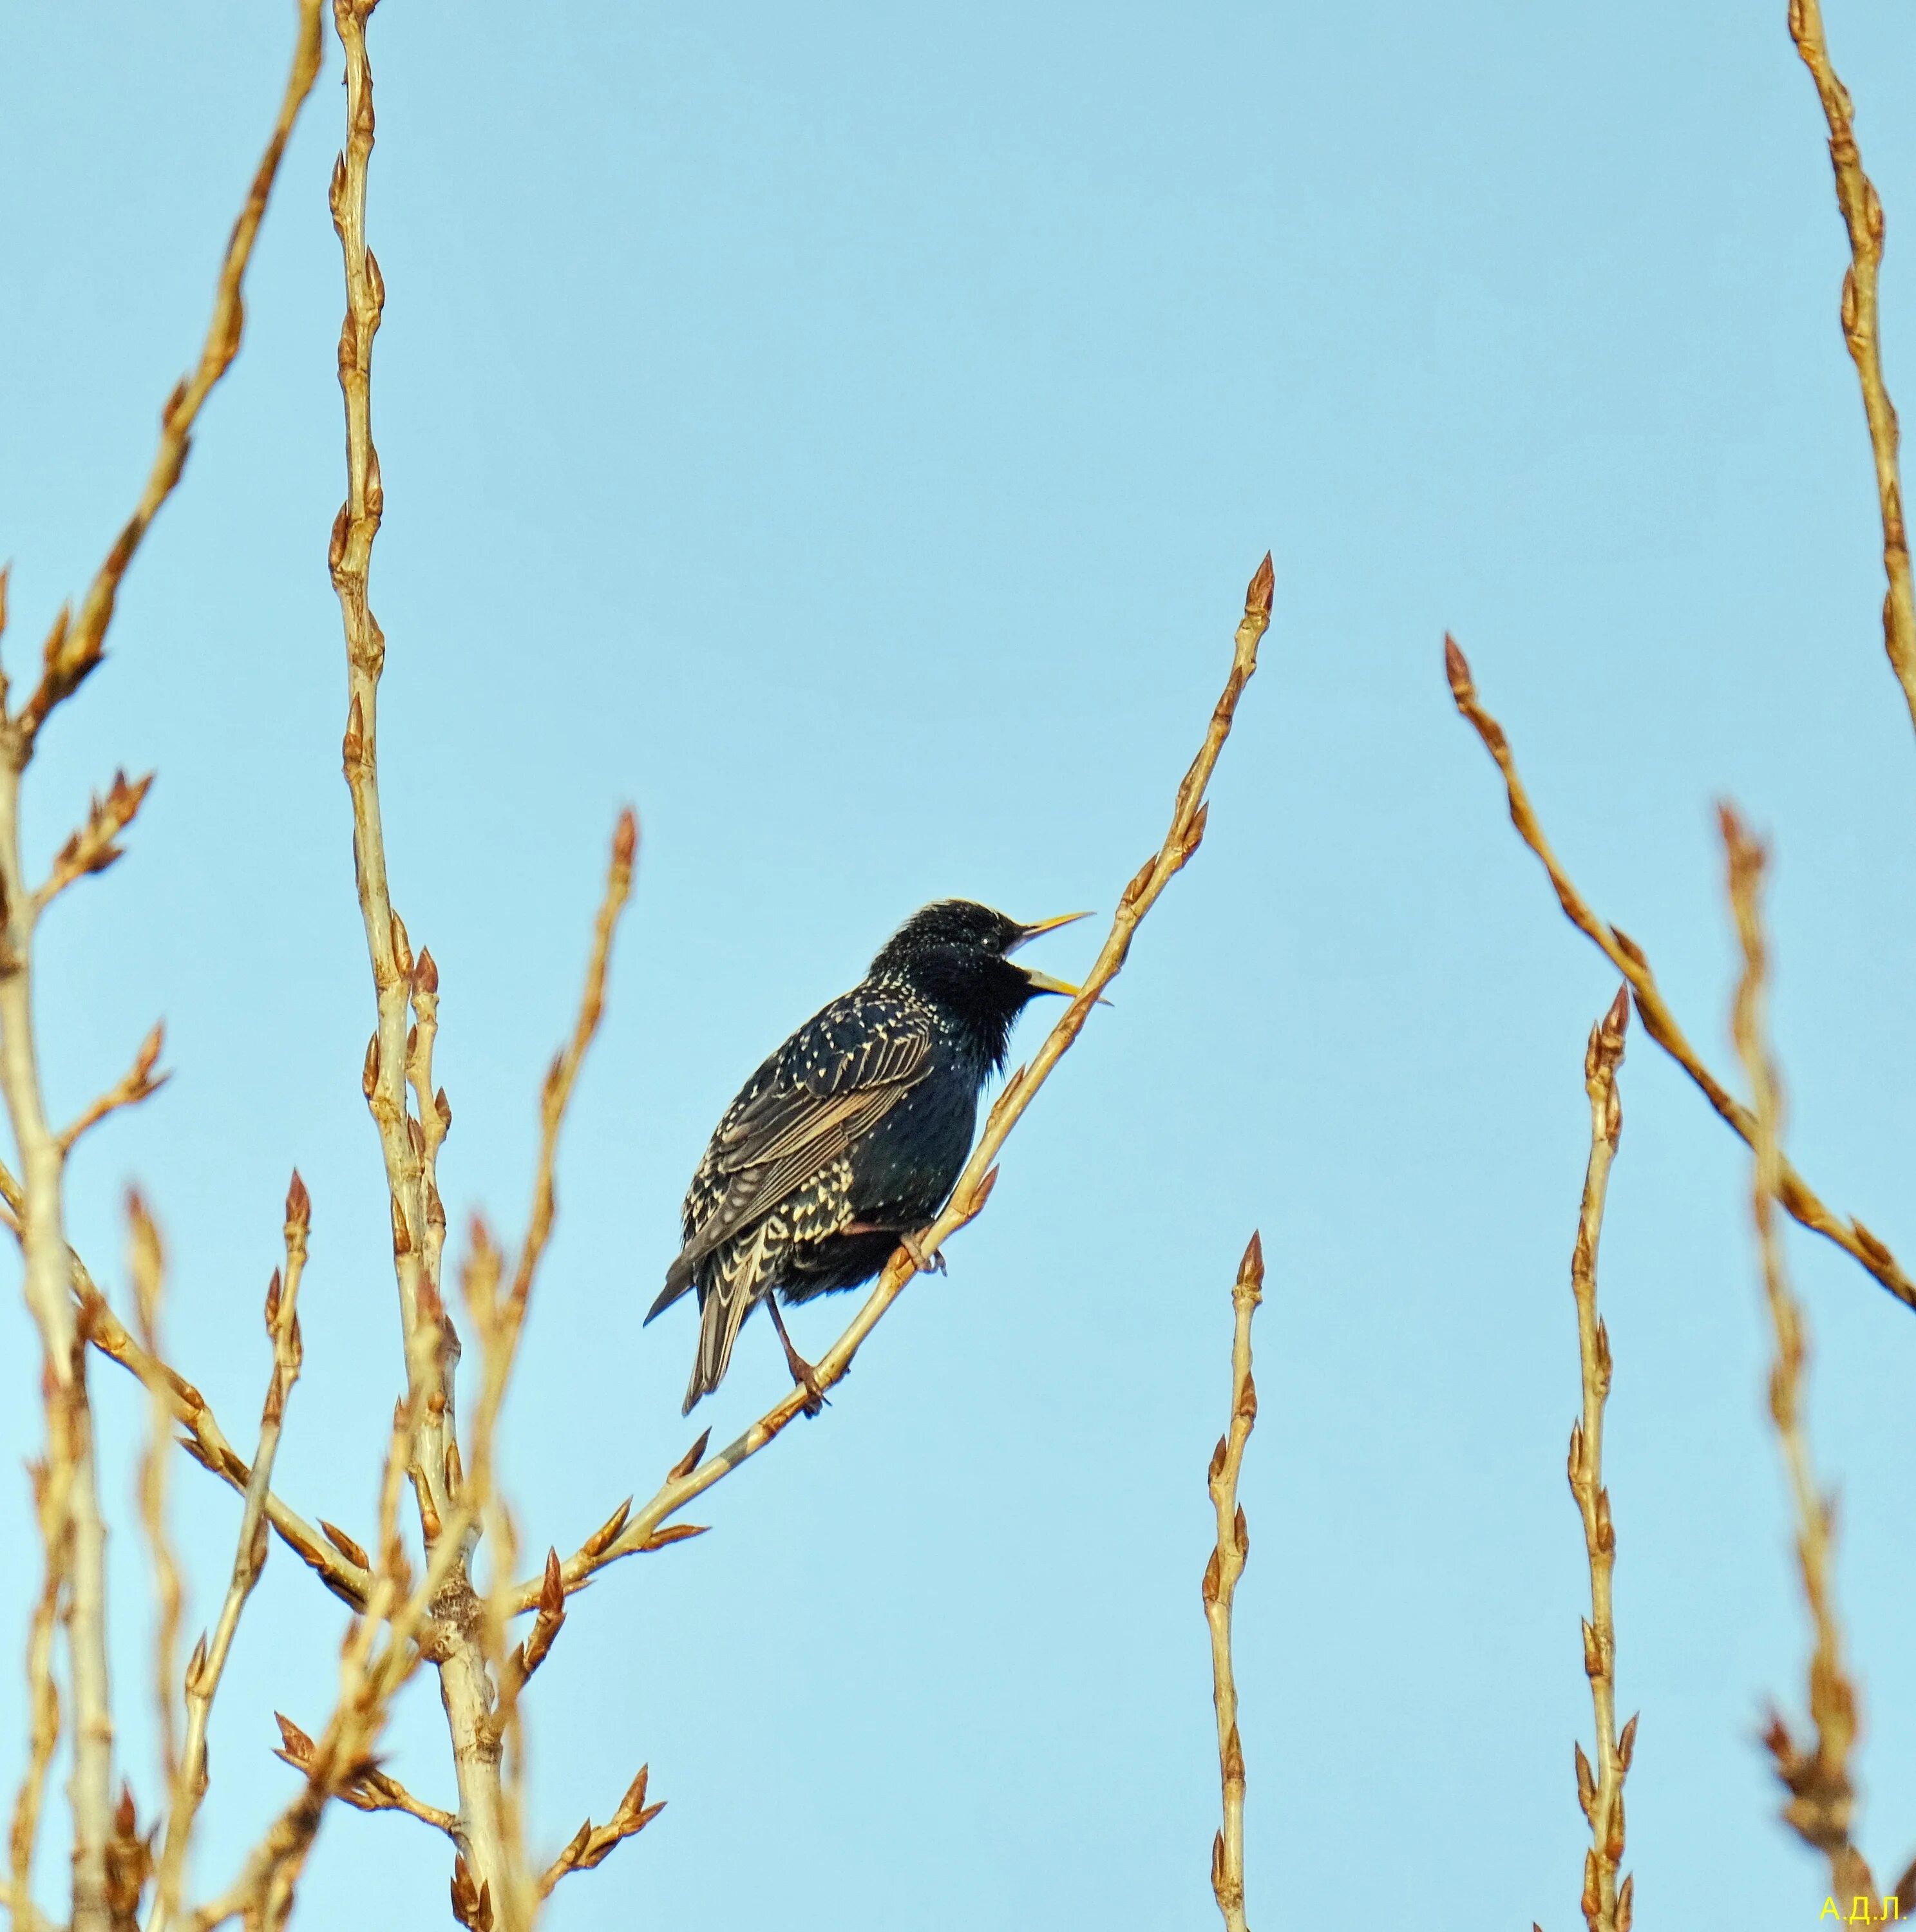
{"x": 847, "y": 1140}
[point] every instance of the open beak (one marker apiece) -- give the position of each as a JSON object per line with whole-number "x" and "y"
{"x": 1043, "y": 983}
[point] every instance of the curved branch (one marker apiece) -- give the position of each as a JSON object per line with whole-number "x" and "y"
{"x": 1862, "y": 217}
{"x": 1795, "y": 1193}
{"x": 631, "y": 1531}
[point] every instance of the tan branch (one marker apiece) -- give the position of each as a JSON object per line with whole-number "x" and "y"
{"x": 339, "y": 1563}
{"x": 370, "y": 1789}
{"x": 370, "y": 1676}
{"x": 133, "y": 1086}
{"x": 1220, "y": 1590}
{"x": 73, "y": 648}
{"x": 564, "y": 1073}
{"x": 1821, "y": 1799}
{"x": 69, "y": 1417}
{"x": 1798, "y": 1198}
{"x": 50, "y": 1505}
{"x": 209, "y": 1661}
{"x": 629, "y": 1531}
{"x": 1863, "y": 217}
{"x": 592, "y": 1844}
{"x": 147, "y": 1267}
{"x": 91, "y": 849}
{"x": 1607, "y": 1906}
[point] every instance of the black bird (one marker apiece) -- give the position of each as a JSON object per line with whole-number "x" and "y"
{"x": 847, "y": 1140}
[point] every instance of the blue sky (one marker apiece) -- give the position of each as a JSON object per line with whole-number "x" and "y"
{"x": 846, "y": 436}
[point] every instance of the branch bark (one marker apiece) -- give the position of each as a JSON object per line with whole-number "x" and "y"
{"x": 209, "y": 1662}
{"x": 1799, "y": 1199}
{"x": 1220, "y": 1588}
{"x": 1821, "y": 1798}
{"x": 1863, "y": 218}
{"x": 1607, "y": 1906}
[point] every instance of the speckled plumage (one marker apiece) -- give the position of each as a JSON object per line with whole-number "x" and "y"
{"x": 854, "y": 1131}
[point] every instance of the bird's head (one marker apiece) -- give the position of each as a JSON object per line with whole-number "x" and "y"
{"x": 958, "y": 953}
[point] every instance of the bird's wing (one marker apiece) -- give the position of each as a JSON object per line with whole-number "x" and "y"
{"x": 832, "y": 1082}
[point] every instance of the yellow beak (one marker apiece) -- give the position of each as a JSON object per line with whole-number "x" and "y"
{"x": 1051, "y": 925}
{"x": 1043, "y": 983}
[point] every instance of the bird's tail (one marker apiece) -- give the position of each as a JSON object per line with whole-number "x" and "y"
{"x": 742, "y": 1268}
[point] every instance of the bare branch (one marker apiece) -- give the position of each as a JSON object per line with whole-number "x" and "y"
{"x": 133, "y": 1088}
{"x": 348, "y": 1578}
{"x": 92, "y": 849}
{"x": 209, "y": 1662}
{"x": 1221, "y": 1575}
{"x": 564, "y": 1073}
{"x": 370, "y": 1789}
{"x": 1607, "y": 1906}
{"x": 1863, "y": 217}
{"x": 147, "y": 1267}
{"x": 592, "y": 1844}
{"x": 1821, "y": 1799}
{"x": 50, "y": 1505}
{"x": 1797, "y": 1198}
{"x": 73, "y": 649}
{"x": 640, "y": 1531}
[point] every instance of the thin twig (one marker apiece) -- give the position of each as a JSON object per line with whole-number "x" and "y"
{"x": 70, "y": 1441}
{"x": 1798, "y": 1199}
{"x": 369, "y": 1677}
{"x": 209, "y": 1661}
{"x": 407, "y": 1145}
{"x": 132, "y": 1087}
{"x": 592, "y": 1844}
{"x": 148, "y": 1268}
{"x": 338, "y": 1562}
{"x": 1220, "y": 1589}
{"x": 1821, "y": 1798}
{"x": 1863, "y": 217}
{"x": 50, "y": 1505}
{"x": 1607, "y": 1906}
{"x": 504, "y": 1322}
{"x": 91, "y": 848}
{"x": 74, "y": 648}
{"x": 628, "y": 1531}
{"x": 370, "y": 1790}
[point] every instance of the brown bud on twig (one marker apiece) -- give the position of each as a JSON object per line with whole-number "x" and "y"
{"x": 344, "y": 1544}
{"x": 295, "y": 1747}
{"x": 369, "y": 1074}
{"x": 1140, "y": 880}
{"x": 402, "y": 949}
{"x": 606, "y": 1535}
{"x": 690, "y": 1460}
{"x": 426, "y": 973}
{"x": 626, "y": 838}
{"x": 299, "y": 1204}
{"x": 1258, "y": 595}
{"x": 1586, "y": 1785}
{"x": 674, "y": 1532}
{"x": 471, "y": 1904}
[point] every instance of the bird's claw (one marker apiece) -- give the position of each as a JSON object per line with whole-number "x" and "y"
{"x": 925, "y": 1264}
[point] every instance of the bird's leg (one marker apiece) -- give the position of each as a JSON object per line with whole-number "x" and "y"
{"x": 925, "y": 1264}
{"x": 803, "y": 1373}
